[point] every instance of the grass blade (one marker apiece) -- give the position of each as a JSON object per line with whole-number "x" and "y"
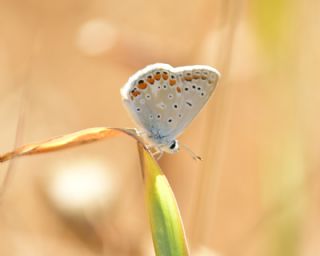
{"x": 166, "y": 224}
{"x": 66, "y": 141}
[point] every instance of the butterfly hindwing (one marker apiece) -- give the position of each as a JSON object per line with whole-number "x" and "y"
{"x": 197, "y": 85}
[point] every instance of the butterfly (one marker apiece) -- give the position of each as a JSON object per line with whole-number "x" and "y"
{"x": 163, "y": 100}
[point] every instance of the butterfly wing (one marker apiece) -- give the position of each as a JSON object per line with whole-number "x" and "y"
{"x": 163, "y": 100}
{"x": 197, "y": 85}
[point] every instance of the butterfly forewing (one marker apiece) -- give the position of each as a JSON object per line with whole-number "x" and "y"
{"x": 163, "y": 100}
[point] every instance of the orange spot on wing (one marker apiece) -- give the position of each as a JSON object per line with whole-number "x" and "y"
{"x": 178, "y": 89}
{"x": 142, "y": 86}
{"x": 157, "y": 77}
{"x": 196, "y": 76}
{"x": 150, "y": 80}
{"x": 135, "y": 93}
{"x": 165, "y": 76}
{"x": 172, "y": 82}
{"x": 204, "y": 77}
{"x": 188, "y": 78}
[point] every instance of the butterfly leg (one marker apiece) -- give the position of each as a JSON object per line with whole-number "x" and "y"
{"x": 151, "y": 148}
{"x": 140, "y": 133}
{"x": 158, "y": 154}
{"x": 155, "y": 152}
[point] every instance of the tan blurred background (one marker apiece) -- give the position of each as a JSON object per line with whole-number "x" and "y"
{"x": 62, "y": 64}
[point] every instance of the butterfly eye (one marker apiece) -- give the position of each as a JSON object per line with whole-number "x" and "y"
{"x": 173, "y": 145}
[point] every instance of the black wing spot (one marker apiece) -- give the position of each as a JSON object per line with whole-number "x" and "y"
{"x": 175, "y": 106}
{"x": 189, "y": 104}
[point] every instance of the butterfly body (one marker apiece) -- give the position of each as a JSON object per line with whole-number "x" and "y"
{"x": 163, "y": 100}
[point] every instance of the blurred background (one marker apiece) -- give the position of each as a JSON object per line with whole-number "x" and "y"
{"x": 62, "y": 64}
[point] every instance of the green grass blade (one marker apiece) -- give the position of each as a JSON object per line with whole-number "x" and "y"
{"x": 166, "y": 224}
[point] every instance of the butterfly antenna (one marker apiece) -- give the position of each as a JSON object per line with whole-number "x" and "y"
{"x": 194, "y": 155}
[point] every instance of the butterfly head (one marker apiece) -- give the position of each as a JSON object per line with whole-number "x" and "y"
{"x": 172, "y": 147}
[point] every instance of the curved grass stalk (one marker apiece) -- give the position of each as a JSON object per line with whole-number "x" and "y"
{"x": 166, "y": 224}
